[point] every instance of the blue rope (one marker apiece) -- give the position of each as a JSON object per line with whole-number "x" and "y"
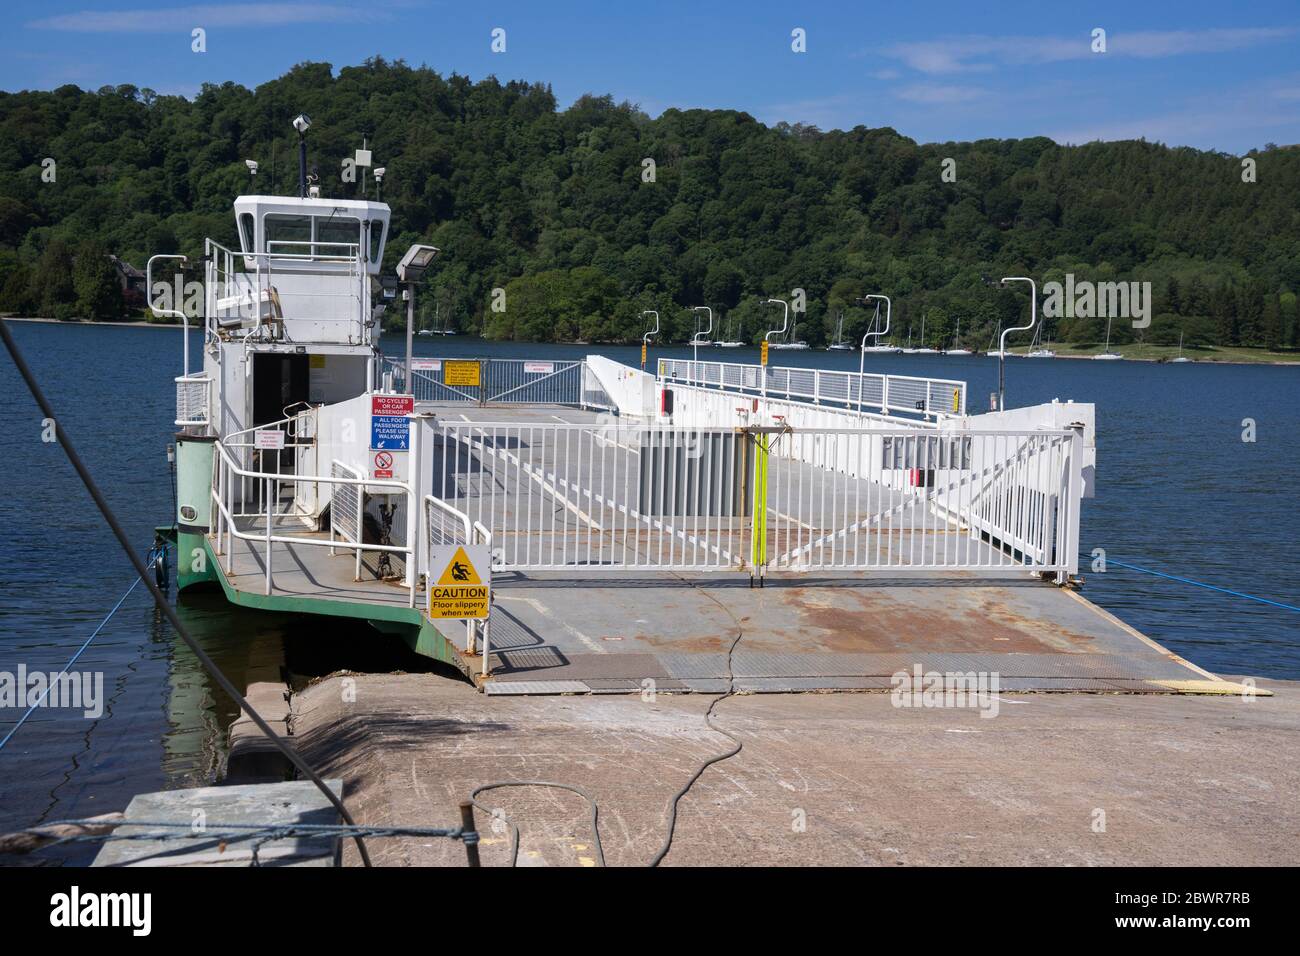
{"x": 80, "y": 650}
{"x": 1202, "y": 584}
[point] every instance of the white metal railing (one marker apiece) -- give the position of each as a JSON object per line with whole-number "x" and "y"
{"x": 890, "y": 394}
{"x": 247, "y": 498}
{"x": 506, "y": 382}
{"x": 446, "y": 525}
{"x": 614, "y": 496}
{"x": 347, "y": 512}
{"x": 250, "y": 299}
{"x": 192, "y": 400}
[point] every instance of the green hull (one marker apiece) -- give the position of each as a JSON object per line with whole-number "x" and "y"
{"x": 408, "y": 623}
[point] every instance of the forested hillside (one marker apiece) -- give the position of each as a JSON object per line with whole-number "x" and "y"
{"x": 552, "y": 205}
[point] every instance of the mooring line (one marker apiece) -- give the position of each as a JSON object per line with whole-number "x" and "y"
{"x": 160, "y": 599}
{"x": 1202, "y": 584}
{"x": 50, "y": 686}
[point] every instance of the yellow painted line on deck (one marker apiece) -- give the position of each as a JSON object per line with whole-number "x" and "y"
{"x": 1220, "y": 687}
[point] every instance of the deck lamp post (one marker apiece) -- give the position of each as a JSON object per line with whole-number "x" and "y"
{"x": 645, "y": 339}
{"x": 410, "y": 271}
{"x": 785, "y": 324}
{"x": 695, "y": 339}
{"x": 862, "y": 352}
{"x": 1005, "y": 283}
{"x": 378, "y": 173}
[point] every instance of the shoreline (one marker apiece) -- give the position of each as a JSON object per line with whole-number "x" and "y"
{"x": 136, "y": 324}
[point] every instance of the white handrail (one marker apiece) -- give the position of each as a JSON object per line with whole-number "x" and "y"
{"x": 227, "y": 467}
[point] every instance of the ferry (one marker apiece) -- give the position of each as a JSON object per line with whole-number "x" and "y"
{"x": 475, "y": 508}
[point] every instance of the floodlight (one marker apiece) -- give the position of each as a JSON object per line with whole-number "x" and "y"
{"x": 418, "y": 258}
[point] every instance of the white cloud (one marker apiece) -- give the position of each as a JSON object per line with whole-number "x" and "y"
{"x": 1223, "y": 122}
{"x": 980, "y": 53}
{"x": 169, "y": 19}
{"x": 935, "y": 94}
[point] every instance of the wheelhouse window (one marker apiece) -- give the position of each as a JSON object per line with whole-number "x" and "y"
{"x": 335, "y": 233}
{"x": 246, "y": 231}
{"x": 321, "y": 236}
{"x": 377, "y": 228}
{"x": 287, "y": 234}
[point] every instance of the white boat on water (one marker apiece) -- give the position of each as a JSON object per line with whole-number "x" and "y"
{"x": 729, "y": 343}
{"x": 1108, "y": 355}
{"x": 790, "y": 344}
{"x": 923, "y": 350}
{"x": 839, "y": 345}
{"x": 1037, "y": 349}
{"x": 956, "y": 342}
{"x": 1181, "y": 356}
{"x": 879, "y": 349}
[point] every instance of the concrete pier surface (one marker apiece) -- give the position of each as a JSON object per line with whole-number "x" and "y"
{"x": 847, "y": 778}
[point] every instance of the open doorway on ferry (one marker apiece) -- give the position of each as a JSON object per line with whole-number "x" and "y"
{"x": 280, "y": 383}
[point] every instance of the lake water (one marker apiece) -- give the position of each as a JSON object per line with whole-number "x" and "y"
{"x": 1177, "y": 490}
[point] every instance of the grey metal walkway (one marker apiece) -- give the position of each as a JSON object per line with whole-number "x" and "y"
{"x": 849, "y": 632}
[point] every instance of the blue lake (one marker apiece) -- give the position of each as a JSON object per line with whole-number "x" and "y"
{"x": 1178, "y": 490}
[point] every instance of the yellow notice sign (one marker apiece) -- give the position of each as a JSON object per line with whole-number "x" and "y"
{"x": 460, "y": 582}
{"x": 762, "y": 353}
{"x": 460, "y": 373}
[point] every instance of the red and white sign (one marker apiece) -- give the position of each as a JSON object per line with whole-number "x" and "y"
{"x": 540, "y": 368}
{"x": 383, "y": 464}
{"x": 426, "y": 365}
{"x": 392, "y": 404}
{"x": 268, "y": 438}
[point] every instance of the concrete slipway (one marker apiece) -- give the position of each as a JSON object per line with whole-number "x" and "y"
{"x": 1054, "y": 779}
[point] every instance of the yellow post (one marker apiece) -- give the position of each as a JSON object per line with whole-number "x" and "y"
{"x": 758, "y": 537}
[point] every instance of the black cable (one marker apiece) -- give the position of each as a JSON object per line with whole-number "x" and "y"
{"x": 514, "y": 828}
{"x": 708, "y": 719}
{"x": 160, "y": 599}
{"x": 708, "y": 714}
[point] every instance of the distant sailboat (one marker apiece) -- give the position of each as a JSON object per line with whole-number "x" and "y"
{"x": 792, "y": 342}
{"x": 839, "y": 345}
{"x": 923, "y": 350}
{"x": 883, "y": 349}
{"x": 1181, "y": 357}
{"x": 1037, "y": 349}
{"x": 956, "y": 342}
{"x": 1108, "y": 355}
{"x": 732, "y": 342}
{"x": 909, "y": 350}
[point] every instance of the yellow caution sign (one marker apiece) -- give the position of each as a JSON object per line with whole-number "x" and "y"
{"x": 460, "y": 582}
{"x": 762, "y": 353}
{"x": 460, "y": 372}
{"x": 956, "y": 400}
{"x": 643, "y": 351}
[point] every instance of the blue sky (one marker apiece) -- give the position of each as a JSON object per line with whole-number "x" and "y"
{"x": 1213, "y": 75}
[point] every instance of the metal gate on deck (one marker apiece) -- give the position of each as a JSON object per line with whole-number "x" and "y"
{"x": 613, "y": 496}
{"x": 494, "y": 381}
